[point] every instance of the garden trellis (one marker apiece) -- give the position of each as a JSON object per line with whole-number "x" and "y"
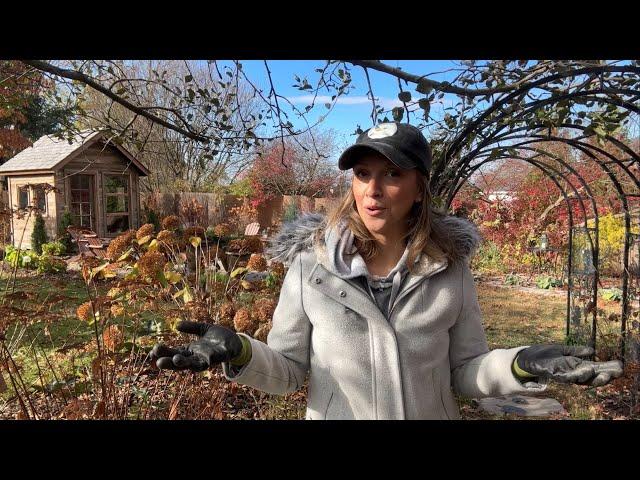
{"x": 517, "y": 125}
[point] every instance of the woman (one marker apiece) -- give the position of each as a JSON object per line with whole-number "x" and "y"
{"x": 379, "y": 305}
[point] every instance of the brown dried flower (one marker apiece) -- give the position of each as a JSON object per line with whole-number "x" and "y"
{"x": 263, "y": 332}
{"x": 117, "y": 310}
{"x": 222, "y": 230}
{"x": 172, "y": 222}
{"x": 112, "y": 337}
{"x": 226, "y": 314}
{"x": 168, "y": 237}
{"x": 145, "y": 230}
{"x": 85, "y": 312}
{"x": 253, "y": 244}
{"x": 120, "y": 245}
{"x": 257, "y": 263}
{"x": 151, "y": 264}
{"x": 263, "y": 309}
{"x": 198, "y": 312}
{"x": 237, "y": 245}
{"x": 194, "y": 232}
{"x": 243, "y": 322}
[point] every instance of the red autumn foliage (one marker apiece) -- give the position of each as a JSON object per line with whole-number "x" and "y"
{"x": 536, "y": 204}
{"x": 18, "y": 85}
{"x": 288, "y": 171}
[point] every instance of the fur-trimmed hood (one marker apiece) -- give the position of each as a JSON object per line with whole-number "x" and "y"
{"x": 301, "y": 234}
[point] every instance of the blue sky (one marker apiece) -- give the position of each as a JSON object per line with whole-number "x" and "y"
{"x": 355, "y": 108}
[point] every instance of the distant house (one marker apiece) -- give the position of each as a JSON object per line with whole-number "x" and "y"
{"x": 96, "y": 180}
{"x": 503, "y": 195}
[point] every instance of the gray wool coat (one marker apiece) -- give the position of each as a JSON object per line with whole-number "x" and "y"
{"x": 362, "y": 365}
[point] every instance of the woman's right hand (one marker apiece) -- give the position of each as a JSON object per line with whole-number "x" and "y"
{"x": 215, "y": 344}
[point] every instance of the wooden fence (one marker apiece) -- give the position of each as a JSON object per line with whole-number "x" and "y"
{"x": 211, "y": 209}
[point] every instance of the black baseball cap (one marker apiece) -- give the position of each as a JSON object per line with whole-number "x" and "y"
{"x": 401, "y": 143}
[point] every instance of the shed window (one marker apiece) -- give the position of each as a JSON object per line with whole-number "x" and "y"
{"x": 81, "y": 199}
{"x": 40, "y": 197}
{"x": 117, "y": 205}
{"x": 23, "y": 197}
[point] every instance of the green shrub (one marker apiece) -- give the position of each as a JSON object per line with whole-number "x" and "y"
{"x": 39, "y": 235}
{"x": 241, "y": 188}
{"x": 219, "y": 277}
{"x": 547, "y": 282}
{"x": 271, "y": 280}
{"x": 49, "y": 264}
{"x": 611, "y": 294}
{"x": 54, "y": 248}
{"x": 152, "y": 217}
{"x": 66, "y": 220}
{"x": 23, "y": 258}
{"x": 290, "y": 213}
{"x": 512, "y": 279}
{"x": 488, "y": 257}
{"x": 10, "y": 255}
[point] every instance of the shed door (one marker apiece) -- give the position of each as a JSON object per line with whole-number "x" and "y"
{"x": 82, "y": 200}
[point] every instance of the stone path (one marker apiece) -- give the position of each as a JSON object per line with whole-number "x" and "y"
{"x": 521, "y": 405}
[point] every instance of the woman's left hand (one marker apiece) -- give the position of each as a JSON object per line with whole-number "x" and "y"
{"x": 567, "y": 364}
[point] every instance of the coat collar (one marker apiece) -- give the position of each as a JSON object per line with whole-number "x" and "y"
{"x": 306, "y": 233}
{"x": 425, "y": 267}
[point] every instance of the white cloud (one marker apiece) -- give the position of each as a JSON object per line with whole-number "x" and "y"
{"x": 387, "y": 103}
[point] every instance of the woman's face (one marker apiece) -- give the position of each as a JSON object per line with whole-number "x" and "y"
{"x": 384, "y": 194}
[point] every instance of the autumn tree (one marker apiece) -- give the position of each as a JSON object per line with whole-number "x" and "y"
{"x": 305, "y": 168}
{"x": 26, "y": 109}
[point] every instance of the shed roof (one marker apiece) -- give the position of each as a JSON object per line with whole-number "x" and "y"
{"x": 49, "y": 152}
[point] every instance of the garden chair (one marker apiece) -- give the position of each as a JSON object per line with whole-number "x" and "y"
{"x": 88, "y": 242}
{"x": 252, "y": 229}
{"x": 97, "y": 247}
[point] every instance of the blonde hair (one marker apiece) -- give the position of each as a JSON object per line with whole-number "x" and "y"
{"x": 425, "y": 234}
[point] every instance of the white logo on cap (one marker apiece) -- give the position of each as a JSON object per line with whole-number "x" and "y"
{"x": 383, "y": 130}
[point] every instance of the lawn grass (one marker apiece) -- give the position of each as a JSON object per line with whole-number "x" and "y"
{"x": 48, "y": 327}
{"x": 513, "y": 318}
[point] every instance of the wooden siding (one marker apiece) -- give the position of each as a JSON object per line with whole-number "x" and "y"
{"x": 20, "y": 225}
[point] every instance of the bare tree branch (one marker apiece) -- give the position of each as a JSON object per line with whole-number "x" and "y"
{"x": 81, "y": 77}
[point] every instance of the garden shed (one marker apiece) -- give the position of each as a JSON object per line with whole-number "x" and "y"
{"x": 96, "y": 179}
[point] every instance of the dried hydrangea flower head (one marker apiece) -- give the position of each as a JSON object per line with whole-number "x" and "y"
{"x": 253, "y": 244}
{"x": 172, "y": 222}
{"x": 222, "y": 230}
{"x": 85, "y": 312}
{"x": 226, "y": 314}
{"x": 151, "y": 264}
{"x": 264, "y": 308}
{"x": 257, "y": 263}
{"x": 194, "y": 232}
{"x": 198, "y": 312}
{"x": 243, "y": 322}
{"x": 120, "y": 245}
{"x": 168, "y": 237}
{"x": 145, "y": 230}
{"x": 112, "y": 338}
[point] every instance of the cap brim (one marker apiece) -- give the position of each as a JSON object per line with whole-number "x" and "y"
{"x": 355, "y": 152}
